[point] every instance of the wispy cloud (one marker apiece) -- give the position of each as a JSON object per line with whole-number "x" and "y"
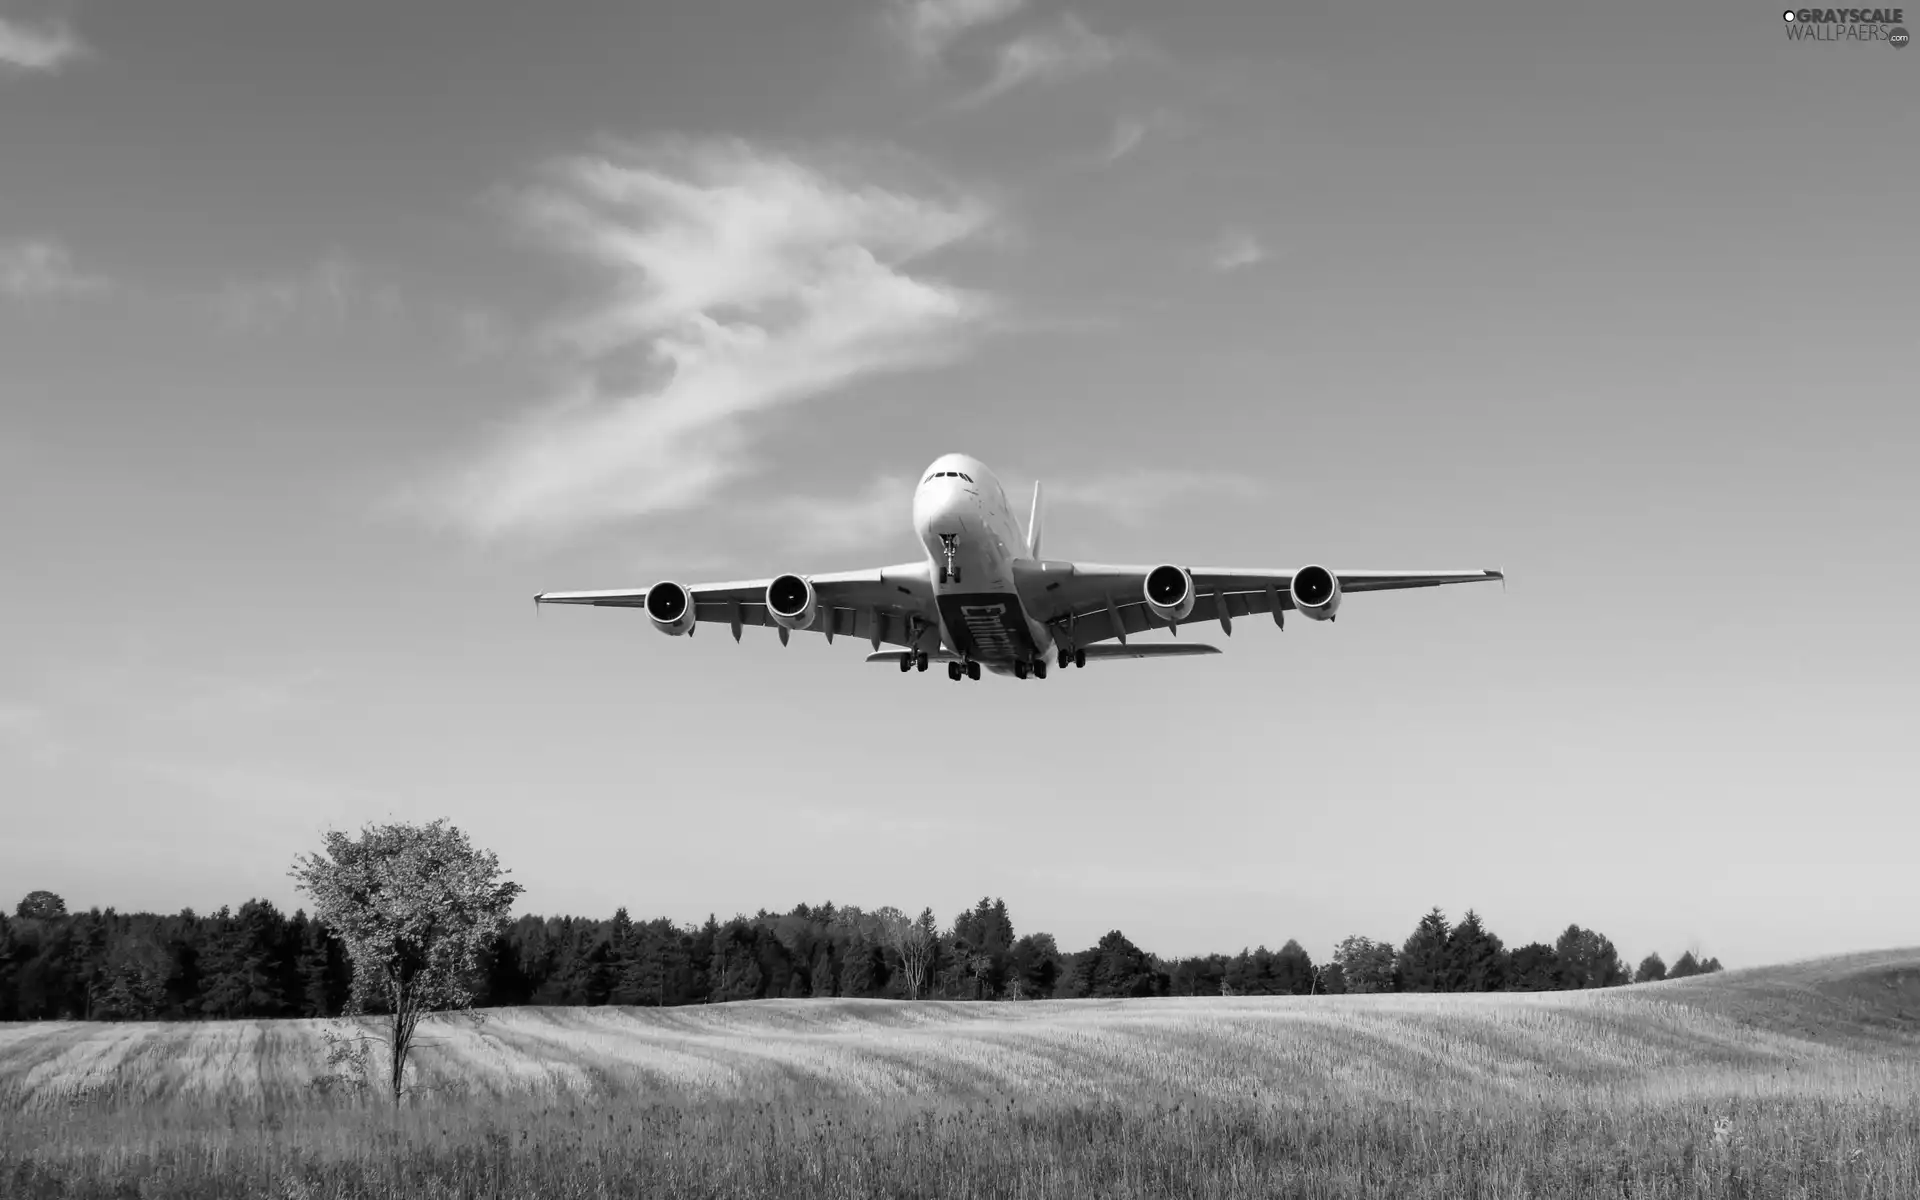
{"x": 743, "y": 280}
{"x": 41, "y": 49}
{"x": 27, "y": 729}
{"x": 328, "y": 291}
{"x": 927, "y": 26}
{"x": 1128, "y": 133}
{"x": 1236, "y": 249}
{"x": 1132, "y": 131}
{"x": 1133, "y": 498}
{"x": 39, "y": 270}
{"x": 1060, "y": 51}
{"x": 881, "y": 513}
{"x": 219, "y": 701}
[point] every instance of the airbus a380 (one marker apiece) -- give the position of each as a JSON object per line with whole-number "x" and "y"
{"x": 983, "y": 598}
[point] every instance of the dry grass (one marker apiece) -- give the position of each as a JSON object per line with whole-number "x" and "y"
{"x": 1800, "y": 1081}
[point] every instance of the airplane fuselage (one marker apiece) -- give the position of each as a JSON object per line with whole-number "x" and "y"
{"x": 967, "y": 526}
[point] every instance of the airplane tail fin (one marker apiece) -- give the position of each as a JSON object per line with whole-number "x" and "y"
{"x": 1033, "y": 524}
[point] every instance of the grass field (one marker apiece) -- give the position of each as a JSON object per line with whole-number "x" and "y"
{"x": 1799, "y": 1081}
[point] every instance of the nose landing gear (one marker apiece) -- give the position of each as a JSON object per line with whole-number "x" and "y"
{"x": 950, "y": 543}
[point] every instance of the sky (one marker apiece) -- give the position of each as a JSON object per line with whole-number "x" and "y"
{"x": 330, "y": 334}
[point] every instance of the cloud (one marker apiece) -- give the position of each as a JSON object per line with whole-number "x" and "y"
{"x": 1135, "y": 497}
{"x": 43, "y": 49}
{"x": 1061, "y": 51}
{"x": 883, "y": 512}
{"x": 1236, "y": 249}
{"x": 218, "y": 702}
{"x": 1128, "y": 132}
{"x": 33, "y": 270}
{"x": 328, "y": 292}
{"x": 742, "y": 281}
{"x": 927, "y": 26}
{"x": 27, "y": 729}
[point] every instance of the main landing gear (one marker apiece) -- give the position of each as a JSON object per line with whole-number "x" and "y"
{"x": 1038, "y": 670}
{"x": 956, "y": 670}
{"x": 1071, "y": 658}
{"x": 910, "y": 662}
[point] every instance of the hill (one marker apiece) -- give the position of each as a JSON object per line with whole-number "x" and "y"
{"x": 1776, "y": 1075}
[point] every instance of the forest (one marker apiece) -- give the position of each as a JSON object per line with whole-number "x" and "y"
{"x": 256, "y": 961}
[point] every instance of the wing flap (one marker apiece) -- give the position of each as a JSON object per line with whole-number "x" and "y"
{"x": 1149, "y": 650}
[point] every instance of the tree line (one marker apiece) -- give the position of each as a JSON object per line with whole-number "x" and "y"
{"x": 256, "y": 961}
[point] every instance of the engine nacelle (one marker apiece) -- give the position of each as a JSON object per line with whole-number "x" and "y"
{"x": 670, "y": 608}
{"x": 1316, "y": 593}
{"x": 791, "y": 602}
{"x": 1170, "y": 593}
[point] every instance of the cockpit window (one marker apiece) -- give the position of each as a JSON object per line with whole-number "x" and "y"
{"x": 948, "y": 475}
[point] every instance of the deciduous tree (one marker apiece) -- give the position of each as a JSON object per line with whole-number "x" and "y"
{"x": 41, "y": 906}
{"x": 1365, "y": 965}
{"x": 416, "y": 907}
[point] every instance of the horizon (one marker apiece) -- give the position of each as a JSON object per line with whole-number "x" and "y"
{"x": 317, "y": 371}
{"x": 1628, "y": 957}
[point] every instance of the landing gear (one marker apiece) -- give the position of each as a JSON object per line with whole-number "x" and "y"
{"x": 1064, "y": 659}
{"x": 950, "y": 543}
{"x": 920, "y": 662}
{"x": 1019, "y": 670}
{"x": 1079, "y": 658}
{"x": 954, "y": 670}
{"x": 1040, "y": 670}
{"x": 973, "y": 670}
{"x": 906, "y": 663}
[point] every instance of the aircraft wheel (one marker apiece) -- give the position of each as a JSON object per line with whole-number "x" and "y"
{"x": 1062, "y": 659}
{"x": 906, "y": 663}
{"x": 1079, "y": 658}
{"x": 1040, "y": 670}
{"x": 1019, "y": 670}
{"x": 922, "y": 664}
{"x": 973, "y": 670}
{"x": 953, "y": 671}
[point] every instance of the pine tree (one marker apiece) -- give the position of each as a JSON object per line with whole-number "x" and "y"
{"x": 1652, "y": 969}
{"x": 1476, "y": 958}
{"x": 1423, "y": 957}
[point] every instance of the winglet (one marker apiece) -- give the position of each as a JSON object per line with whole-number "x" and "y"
{"x": 1033, "y": 524}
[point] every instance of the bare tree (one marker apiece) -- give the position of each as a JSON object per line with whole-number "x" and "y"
{"x": 415, "y": 907}
{"x": 913, "y": 941}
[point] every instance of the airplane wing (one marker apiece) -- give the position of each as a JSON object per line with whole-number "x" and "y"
{"x": 1094, "y": 653}
{"x": 884, "y": 605}
{"x": 1097, "y": 602}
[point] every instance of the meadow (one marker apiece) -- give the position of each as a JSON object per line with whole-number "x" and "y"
{"x": 1797, "y": 1081}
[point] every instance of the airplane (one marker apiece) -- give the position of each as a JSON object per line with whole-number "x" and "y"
{"x": 984, "y": 598}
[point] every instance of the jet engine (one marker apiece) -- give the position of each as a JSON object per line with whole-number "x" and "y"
{"x": 790, "y": 602}
{"x": 1316, "y": 593}
{"x": 670, "y": 608}
{"x": 1170, "y": 593}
